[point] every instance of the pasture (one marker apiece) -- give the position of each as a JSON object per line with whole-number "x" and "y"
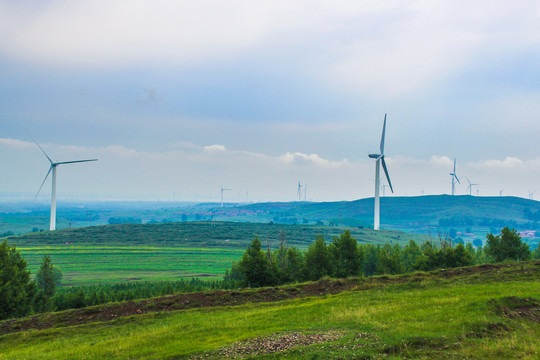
{"x": 82, "y": 265}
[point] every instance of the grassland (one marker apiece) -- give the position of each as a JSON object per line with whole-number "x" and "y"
{"x": 486, "y": 312}
{"x": 169, "y": 251}
{"x": 82, "y": 265}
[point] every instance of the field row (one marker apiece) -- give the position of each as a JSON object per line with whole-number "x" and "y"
{"x": 86, "y": 265}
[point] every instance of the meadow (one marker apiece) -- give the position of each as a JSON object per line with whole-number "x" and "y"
{"x": 168, "y": 251}
{"x": 486, "y": 312}
{"x": 84, "y": 265}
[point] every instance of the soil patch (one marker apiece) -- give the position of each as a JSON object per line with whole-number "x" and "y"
{"x": 516, "y": 307}
{"x": 271, "y": 344}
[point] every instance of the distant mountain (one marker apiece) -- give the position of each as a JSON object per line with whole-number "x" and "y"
{"x": 468, "y": 216}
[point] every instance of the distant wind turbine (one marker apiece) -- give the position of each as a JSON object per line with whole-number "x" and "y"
{"x": 305, "y": 193}
{"x": 379, "y": 158}
{"x": 299, "y": 192}
{"x": 53, "y": 167}
{"x": 222, "y": 190}
{"x": 531, "y": 195}
{"x": 500, "y": 193}
{"x": 454, "y": 178}
{"x": 470, "y": 186}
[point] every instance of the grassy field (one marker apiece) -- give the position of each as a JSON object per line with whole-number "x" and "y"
{"x": 83, "y": 265}
{"x": 169, "y": 251}
{"x": 485, "y": 313}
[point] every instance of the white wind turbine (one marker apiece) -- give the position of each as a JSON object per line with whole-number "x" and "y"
{"x": 380, "y": 158}
{"x": 299, "y": 192}
{"x": 222, "y": 190}
{"x": 470, "y": 185}
{"x": 454, "y": 178}
{"x": 53, "y": 167}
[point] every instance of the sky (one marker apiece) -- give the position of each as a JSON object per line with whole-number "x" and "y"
{"x": 179, "y": 98}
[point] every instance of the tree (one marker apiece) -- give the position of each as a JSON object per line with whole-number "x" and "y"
{"x": 507, "y": 245}
{"x": 409, "y": 254}
{"x": 478, "y": 243}
{"x": 347, "y": 259}
{"x": 536, "y": 253}
{"x": 256, "y": 267}
{"x": 389, "y": 260}
{"x": 47, "y": 278}
{"x": 317, "y": 260}
{"x": 16, "y": 287}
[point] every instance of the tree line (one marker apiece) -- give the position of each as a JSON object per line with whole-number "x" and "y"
{"x": 343, "y": 256}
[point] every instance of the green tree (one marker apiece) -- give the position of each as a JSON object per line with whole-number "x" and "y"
{"x": 507, "y": 245}
{"x": 295, "y": 264}
{"x": 536, "y": 253}
{"x": 409, "y": 255}
{"x": 16, "y": 287}
{"x": 371, "y": 259}
{"x": 389, "y": 260}
{"x": 47, "y": 277}
{"x": 346, "y": 257}
{"x": 256, "y": 267}
{"x": 317, "y": 263}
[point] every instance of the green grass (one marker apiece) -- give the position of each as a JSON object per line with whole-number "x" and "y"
{"x": 441, "y": 318}
{"x": 93, "y": 264}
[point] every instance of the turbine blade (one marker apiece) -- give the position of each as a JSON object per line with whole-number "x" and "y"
{"x": 43, "y": 151}
{"x": 383, "y": 134}
{"x": 459, "y": 182}
{"x": 76, "y": 161}
{"x": 46, "y": 176}
{"x": 386, "y": 173}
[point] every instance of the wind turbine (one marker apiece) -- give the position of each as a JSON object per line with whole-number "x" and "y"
{"x": 454, "y": 178}
{"x": 222, "y": 190}
{"x": 531, "y": 195}
{"x": 53, "y": 167}
{"x": 379, "y": 158}
{"x": 305, "y": 193}
{"x": 470, "y": 186}
{"x": 299, "y": 192}
{"x": 500, "y": 193}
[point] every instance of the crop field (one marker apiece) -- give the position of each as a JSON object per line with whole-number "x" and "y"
{"x": 485, "y": 312}
{"x": 83, "y": 265}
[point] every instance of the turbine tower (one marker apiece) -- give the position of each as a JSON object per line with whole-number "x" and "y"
{"x": 299, "y": 192}
{"x": 380, "y": 159}
{"x": 454, "y": 178}
{"x": 500, "y": 193}
{"x": 53, "y": 167}
{"x": 222, "y": 190}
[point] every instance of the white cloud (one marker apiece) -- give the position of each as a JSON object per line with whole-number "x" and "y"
{"x": 507, "y": 163}
{"x": 301, "y": 159}
{"x": 215, "y": 148}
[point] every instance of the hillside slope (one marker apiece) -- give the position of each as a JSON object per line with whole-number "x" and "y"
{"x": 489, "y": 311}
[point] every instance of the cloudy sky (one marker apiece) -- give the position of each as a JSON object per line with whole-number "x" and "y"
{"x": 177, "y": 98}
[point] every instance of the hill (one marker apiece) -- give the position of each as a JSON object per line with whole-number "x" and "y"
{"x": 488, "y": 311}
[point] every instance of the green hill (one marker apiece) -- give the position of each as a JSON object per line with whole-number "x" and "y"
{"x": 482, "y": 312}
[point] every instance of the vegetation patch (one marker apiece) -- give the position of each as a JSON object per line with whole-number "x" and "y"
{"x": 516, "y": 307}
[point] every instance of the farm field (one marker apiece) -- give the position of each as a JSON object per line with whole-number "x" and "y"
{"x": 143, "y": 252}
{"x": 83, "y": 265}
{"x": 483, "y": 312}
